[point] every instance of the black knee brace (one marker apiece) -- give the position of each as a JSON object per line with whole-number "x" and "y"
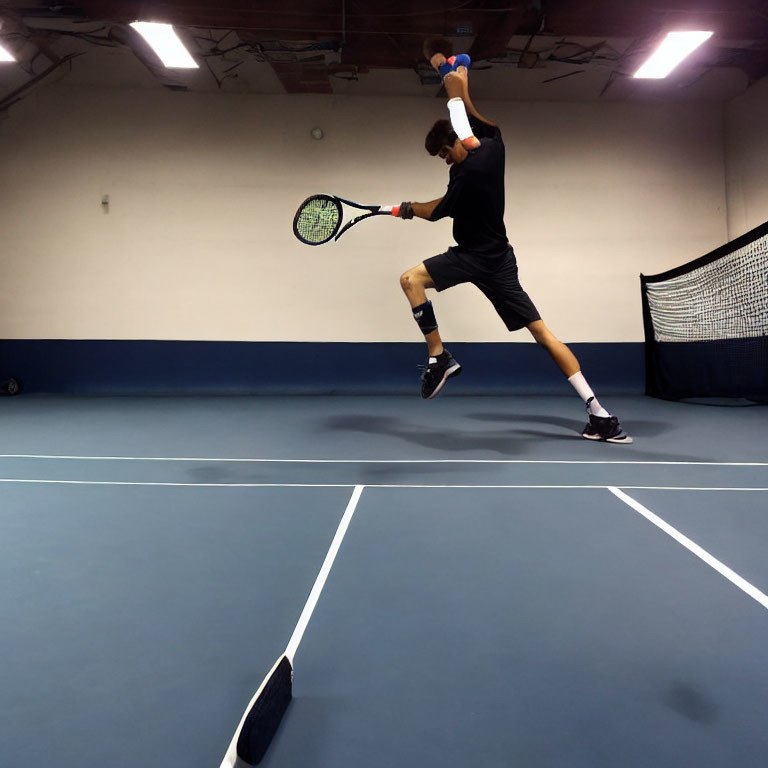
{"x": 424, "y": 315}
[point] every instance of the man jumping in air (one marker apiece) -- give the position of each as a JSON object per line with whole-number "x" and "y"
{"x": 473, "y": 148}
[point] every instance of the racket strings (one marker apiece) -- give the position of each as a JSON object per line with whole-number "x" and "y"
{"x": 317, "y": 220}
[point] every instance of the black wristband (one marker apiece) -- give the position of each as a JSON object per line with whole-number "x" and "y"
{"x": 406, "y": 211}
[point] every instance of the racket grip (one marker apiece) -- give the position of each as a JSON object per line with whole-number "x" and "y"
{"x": 403, "y": 210}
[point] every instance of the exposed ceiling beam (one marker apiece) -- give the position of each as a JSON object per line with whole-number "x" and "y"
{"x": 389, "y": 33}
{"x": 496, "y": 28}
{"x": 733, "y": 19}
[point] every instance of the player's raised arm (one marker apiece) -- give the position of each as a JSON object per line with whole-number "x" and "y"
{"x": 454, "y": 70}
{"x": 456, "y": 82}
{"x": 457, "y": 87}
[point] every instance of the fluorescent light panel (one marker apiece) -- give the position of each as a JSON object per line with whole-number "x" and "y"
{"x": 5, "y": 55}
{"x": 675, "y": 47}
{"x": 166, "y": 44}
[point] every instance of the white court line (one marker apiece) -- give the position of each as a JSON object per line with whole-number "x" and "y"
{"x": 314, "y": 595}
{"x": 384, "y": 461}
{"x": 371, "y": 485}
{"x": 693, "y": 547}
{"x": 230, "y": 758}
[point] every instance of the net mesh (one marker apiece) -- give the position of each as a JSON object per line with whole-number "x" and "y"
{"x": 706, "y": 324}
{"x": 725, "y": 299}
{"x": 317, "y": 220}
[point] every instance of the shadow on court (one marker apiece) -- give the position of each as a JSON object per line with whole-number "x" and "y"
{"x": 374, "y": 474}
{"x": 444, "y": 439}
{"x": 514, "y": 434}
{"x": 352, "y": 473}
{"x": 689, "y": 701}
{"x": 637, "y": 428}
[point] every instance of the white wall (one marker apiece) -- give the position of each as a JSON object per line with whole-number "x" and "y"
{"x": 203, "y": 187}
{"x": 746, "y": 152}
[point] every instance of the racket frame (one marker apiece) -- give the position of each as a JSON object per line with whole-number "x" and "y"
{"x": 338, "y": 231}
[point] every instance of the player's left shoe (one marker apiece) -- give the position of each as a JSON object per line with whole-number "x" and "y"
{"x": 437, "y": 372}
{"x": 606, "y": 429}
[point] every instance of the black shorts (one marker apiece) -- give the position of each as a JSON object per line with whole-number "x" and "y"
{"x": 495, "y": 276}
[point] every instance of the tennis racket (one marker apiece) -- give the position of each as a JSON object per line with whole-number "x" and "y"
{"x": 320, "y": 217}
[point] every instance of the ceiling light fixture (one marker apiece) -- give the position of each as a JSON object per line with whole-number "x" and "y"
{"x": 166, "y": 44}
{"x": 5, "y": 55}
{"x": 675, "y": 47}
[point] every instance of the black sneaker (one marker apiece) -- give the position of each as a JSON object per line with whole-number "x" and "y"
{"x": 605, "y": 428}
{"x": 437, "y": 372}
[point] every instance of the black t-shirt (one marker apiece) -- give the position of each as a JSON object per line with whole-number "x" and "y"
{"x": 475, "y": 195}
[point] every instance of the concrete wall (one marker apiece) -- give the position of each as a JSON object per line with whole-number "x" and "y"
{"x": 197, "y": 241}
{"x": 746, "y": 153}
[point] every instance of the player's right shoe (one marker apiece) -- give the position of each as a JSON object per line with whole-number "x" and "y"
{"x": 438, "y": 371}
{"x": 606, "y": 429}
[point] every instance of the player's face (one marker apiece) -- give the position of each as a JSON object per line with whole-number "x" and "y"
{"x": 446, "y": 153}
{"x": 453, "y": 154}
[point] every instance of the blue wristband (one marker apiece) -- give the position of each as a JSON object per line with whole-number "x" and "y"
{"x": 462, "y": 60}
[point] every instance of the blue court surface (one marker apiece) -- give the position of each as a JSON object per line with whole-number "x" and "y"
{"x": 506, "y": 593}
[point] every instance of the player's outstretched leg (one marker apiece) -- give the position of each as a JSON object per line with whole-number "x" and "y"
{"x": 602, "y": 425}
{"x": 441, "y": 365}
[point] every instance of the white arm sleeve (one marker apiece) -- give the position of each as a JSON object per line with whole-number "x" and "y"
{"x": 459, "y": 119}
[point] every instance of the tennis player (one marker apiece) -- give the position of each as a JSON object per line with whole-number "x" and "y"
{"x": 473, "y": 148}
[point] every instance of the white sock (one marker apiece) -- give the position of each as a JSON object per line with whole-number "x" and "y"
{"x": 579, "y": 383}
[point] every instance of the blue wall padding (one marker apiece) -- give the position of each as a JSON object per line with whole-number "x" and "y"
{"x": 223, "y": 367}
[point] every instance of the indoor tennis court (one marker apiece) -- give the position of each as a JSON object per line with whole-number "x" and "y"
{"x": 237, "y": 525}
{"x": 490, "y": 602}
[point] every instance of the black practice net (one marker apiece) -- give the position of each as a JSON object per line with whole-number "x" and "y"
{"x": 706, "y": 324}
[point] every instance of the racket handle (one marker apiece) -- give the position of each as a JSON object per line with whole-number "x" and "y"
{"x": 403, "y": 210}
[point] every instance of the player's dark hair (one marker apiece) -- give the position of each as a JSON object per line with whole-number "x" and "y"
{"x": 440, "y": 135}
